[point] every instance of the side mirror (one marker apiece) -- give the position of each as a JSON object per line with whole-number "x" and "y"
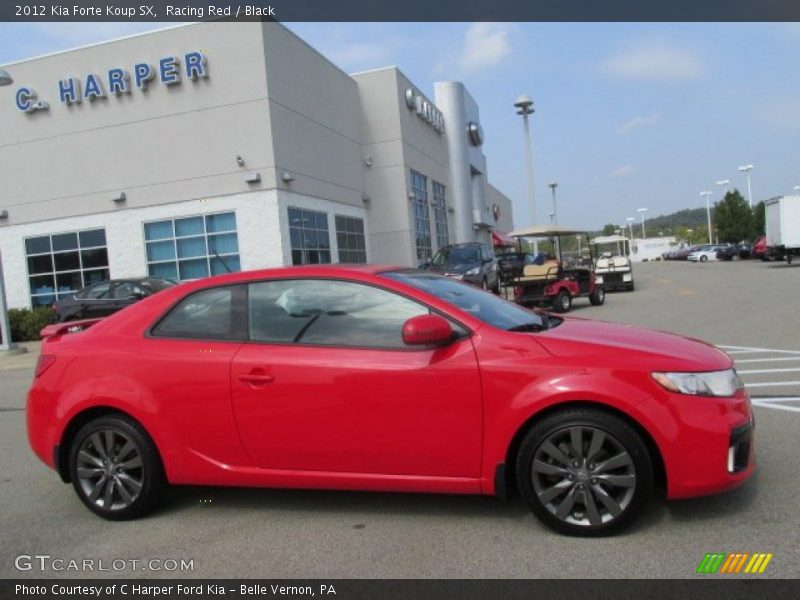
{"x": 427, "y": 330}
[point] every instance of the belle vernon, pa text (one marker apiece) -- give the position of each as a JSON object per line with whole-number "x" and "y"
{"x": 155, "y": 591}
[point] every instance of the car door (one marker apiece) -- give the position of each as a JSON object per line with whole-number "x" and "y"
{"x": 327, "y": 384}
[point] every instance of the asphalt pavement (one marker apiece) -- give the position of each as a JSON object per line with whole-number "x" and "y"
{"x": 748, "y": 307}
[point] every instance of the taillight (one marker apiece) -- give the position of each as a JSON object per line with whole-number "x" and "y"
{"x": 44, "y": 362}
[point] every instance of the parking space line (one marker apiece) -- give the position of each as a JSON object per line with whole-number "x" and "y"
{"x": 747, "y": 349}
{"x": 766, "y": 404}
{"x": 753, "y": 372}
{"x": 771, "y": 384}
{"x": 779, "y": 359}
{"x": 777, "y": 398}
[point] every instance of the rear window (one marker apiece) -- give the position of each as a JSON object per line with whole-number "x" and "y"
{"x": 212, "y": 314}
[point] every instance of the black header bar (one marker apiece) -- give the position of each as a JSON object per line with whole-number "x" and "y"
{"x": 401, "y": 10}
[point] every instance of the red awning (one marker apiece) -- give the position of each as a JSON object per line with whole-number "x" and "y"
{"x": 500, "y": 238}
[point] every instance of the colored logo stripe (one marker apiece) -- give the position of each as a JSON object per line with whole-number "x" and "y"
{"x": 734, "y": 562}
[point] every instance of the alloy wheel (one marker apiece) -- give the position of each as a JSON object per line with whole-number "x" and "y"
{"x": 110, "y": 469}
{"x": 583, "y": 476}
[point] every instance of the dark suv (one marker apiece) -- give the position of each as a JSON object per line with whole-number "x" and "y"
{"x": 472, "y": 262}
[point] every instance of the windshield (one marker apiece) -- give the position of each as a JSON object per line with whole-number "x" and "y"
{"x": 482, "y": 305}
{"x": 455, "y": 255}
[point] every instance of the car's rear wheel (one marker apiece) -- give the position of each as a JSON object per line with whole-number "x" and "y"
{"x": 584, "y": 472}
{"x": 115, "y": 468}
{"x": 704, "y": 258}
{"x": 562, "y": 302}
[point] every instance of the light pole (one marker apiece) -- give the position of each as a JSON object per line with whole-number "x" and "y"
{"x": 630, "y": 221}
{"x": 641, "y": 211}
{"x": 726, "y": 183}
{"x": 689, "y": 235}
{"x": 553, "y": 185}
{"x": 5, "y": 327}
{"x": 708, "y": 211}
{"x": 524, "y": 106}
{"x": 747, "y": 169}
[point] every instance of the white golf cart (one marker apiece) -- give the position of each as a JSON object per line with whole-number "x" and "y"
{"x": 612, "y": 266}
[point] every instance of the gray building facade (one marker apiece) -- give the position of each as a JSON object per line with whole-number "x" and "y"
{"x": 215, "y": 147}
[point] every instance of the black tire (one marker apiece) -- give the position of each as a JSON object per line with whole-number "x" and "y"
{"x": 115, "y": 455}
{"x": 704, "y": 258}
{"x": 789, "y": 259}
{"x": 598, "y": 296}
{"x": 589, "y": 485}
{"x": 629, "y": 286}
{"x": 496, "y": 288}
{"x": 562, "y": 302}
{"x": 485, "y": 284}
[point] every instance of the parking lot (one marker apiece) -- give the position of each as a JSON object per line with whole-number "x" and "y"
{"x": 747, "y": 307}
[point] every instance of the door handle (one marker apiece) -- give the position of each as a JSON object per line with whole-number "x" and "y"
{"x": 254, "y": 379}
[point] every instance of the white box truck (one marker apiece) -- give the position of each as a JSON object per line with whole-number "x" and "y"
{"x": 782, "y": 221}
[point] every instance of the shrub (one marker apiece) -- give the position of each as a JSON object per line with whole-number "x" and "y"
{"x": 26, "y": 324}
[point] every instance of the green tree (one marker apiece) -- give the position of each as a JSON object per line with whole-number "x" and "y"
{"x": 733, "y": 218}
{"x": 610, "y": 229}
{"x": 759, "y": 227}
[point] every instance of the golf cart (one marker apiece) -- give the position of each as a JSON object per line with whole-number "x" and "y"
{"x": 550, "y": 279}
{"x": 613, "y": 264}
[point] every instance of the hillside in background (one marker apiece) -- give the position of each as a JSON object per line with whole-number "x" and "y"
{"x": 688, "y": 217}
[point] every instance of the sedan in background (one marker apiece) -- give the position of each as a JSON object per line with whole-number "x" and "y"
{"x": 107, "y": 297}
{"x": 704, "y": 253}
{"x": 382, "y": 379}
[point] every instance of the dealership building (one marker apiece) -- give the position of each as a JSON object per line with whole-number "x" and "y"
{"x": 216, "y": 147}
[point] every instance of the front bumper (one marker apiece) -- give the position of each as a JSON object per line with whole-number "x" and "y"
{"x": 713, "y": 448}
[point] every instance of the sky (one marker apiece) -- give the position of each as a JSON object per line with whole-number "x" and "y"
{"x": 627, "y": 115}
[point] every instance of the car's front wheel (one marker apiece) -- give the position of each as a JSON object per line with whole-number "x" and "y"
{"x": 562, "y": 302}
{"x": 115, "y": 468}
{"x": 584, "y": 472}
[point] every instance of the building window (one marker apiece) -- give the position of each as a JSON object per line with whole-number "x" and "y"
{"x": 61, "y": 264}
{"x": 308, "y": 231}
{"x": 422, "y": 220}
{"x": 192, "y": 247}
{"x": 440, "y": 214}
{"x": 350, "y": 239}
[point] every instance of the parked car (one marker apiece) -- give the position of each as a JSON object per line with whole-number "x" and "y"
{"x": 382, "y": 379}
{"x": 760, "y": 248}
{"x": 472, "y": 262}
{"x": 704, "y": 253}
{"x": 744, "y": 249}
{"x": 107, "y": 297}
{"x": 728, "y": 252}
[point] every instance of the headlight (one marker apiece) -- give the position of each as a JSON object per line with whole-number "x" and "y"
{"x": 473, "y": 271}
{"x": 711, "y": 383}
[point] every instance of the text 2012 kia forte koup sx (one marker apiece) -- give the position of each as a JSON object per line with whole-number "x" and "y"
{"x": 370, "y": 378}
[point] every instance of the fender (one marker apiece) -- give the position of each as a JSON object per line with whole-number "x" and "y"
{"x": 505, "y": 419}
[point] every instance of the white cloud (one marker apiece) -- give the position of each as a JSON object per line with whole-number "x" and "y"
{"x": 655, "y": 61}
{"x": 485, "y": 45}
{"x": 623, "y": 171}
{"x": 638, "y": 121}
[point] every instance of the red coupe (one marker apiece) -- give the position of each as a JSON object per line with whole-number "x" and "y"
{"x": 374, "y": 378}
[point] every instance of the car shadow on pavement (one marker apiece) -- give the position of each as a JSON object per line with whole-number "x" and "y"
{"x": 718, "y": 507}
{"x": 183, "y": 498}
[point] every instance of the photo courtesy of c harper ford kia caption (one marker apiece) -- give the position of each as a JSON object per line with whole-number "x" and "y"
{"x": 383, "y": 379}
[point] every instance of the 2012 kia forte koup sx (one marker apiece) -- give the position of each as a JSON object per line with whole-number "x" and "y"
{"x": 369, "y": 378}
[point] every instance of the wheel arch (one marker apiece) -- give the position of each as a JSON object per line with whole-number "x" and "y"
{"x": 510, "y": 464}
{"x": 80, "y": 419}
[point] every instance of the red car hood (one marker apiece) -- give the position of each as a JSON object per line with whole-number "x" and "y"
{"x": 661, "y": 350}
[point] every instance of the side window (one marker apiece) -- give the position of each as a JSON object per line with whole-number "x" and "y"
{"x": 211, "y": 314}
{"x": 127, "y": 289}
{"x": 96, "y": 291}
{"x": 330, "y": 313}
